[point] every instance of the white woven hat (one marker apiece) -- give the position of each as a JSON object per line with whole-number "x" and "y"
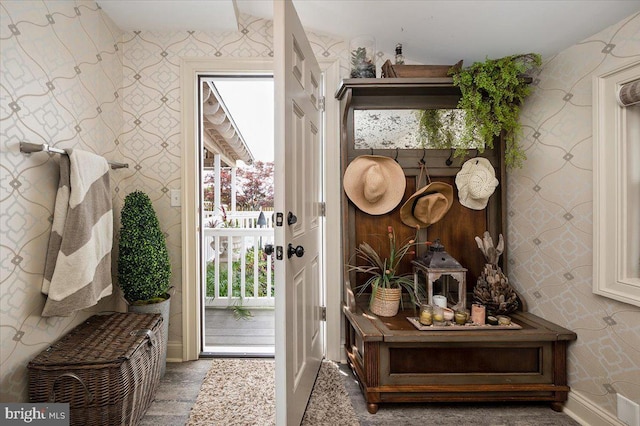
{"x": 476, "y": 181}
{"x": 374, "y": 183}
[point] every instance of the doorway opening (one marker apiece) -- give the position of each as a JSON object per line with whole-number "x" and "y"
{"x": 236, "y": 204}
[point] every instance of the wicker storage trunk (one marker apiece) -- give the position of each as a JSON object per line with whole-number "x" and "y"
{"x": 107, "y": 369}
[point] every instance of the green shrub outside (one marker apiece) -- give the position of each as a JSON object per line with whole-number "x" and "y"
{"x": 237, "y": 276}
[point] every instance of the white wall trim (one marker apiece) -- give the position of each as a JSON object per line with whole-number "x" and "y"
{"x": 586, "y": 412}
{"x": 614, "y": 237}
{"x": 332, "y": 198}
{"x": 174, "y": 352}
{"x": 190, "y": 69}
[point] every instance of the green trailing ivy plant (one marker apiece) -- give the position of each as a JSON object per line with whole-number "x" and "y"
{"x": 438, "y": 128}
{"x": 144, "y": 269}
{"x": 492, "y": 93}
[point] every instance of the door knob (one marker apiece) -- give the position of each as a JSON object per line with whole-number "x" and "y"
{"x": 268, "y": 249}
{"x": 291, "y": 219}
{"x": 298, "y": 251}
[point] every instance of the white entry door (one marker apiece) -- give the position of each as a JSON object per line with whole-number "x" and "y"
{"x": 298, "y": 150}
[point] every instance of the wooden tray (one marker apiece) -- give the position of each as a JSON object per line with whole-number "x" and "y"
{"x": 466, "y": 327}
{"x": 390, "y": 70}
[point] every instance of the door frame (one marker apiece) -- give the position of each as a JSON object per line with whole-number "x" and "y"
{"x": 190, "y": 69}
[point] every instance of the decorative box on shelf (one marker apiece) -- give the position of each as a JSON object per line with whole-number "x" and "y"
{"x": 390, "y": 70}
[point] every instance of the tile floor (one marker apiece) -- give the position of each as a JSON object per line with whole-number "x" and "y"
{"x": 180, "y": 386}
{"x": 178, "y": 391}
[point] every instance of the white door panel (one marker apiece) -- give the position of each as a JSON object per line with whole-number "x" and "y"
{"x": 298, "y": 121}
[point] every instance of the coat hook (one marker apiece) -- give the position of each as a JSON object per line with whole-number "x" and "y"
{"x": 424, "y": 153}
{"x": 371, "y": 151}
{"x": 476, "y": 155}
{"x": 449, "y": 161}
{"x": 396, "y": 157}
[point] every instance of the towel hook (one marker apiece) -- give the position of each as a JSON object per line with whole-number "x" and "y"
{"x": 396, "y": 157}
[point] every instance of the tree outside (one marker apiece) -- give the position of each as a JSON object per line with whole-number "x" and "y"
{"x": 254, "y": 186}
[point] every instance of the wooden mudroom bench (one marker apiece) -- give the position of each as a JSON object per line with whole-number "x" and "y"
{"x": 395, "y": 362}
{"x": 392, "y": 359}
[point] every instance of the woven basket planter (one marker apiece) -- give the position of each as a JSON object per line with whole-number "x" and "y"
{"x": 386, "y": 301}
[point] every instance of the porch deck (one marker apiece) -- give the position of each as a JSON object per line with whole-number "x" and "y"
{"x": 225, "y": 334}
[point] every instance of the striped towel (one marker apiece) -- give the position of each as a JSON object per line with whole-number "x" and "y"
{"x": 78, "y": 264}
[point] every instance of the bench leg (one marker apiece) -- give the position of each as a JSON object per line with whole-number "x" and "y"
{"x": 557, "y": 406}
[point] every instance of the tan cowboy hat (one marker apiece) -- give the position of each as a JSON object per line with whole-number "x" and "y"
{"x": 476, "y": 181}
{"x": 427, "y": 205}
{"x": 374, "y": 183}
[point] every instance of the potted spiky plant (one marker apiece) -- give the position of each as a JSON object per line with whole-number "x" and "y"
{"x": 385, "y": 281}
{"x": 144, "y": 269}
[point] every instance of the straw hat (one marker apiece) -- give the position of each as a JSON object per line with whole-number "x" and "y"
{"x": 427, "y": 205}
{"x": 374, "y": 183}
{"x": 476, "y": 181}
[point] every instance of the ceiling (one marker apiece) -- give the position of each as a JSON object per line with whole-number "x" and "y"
{"x": 431, "y": 31}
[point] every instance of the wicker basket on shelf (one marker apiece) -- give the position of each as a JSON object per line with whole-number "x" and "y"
{"x": 386, "y": 301}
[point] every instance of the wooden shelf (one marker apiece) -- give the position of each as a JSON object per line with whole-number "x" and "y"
{"x": 397, "y": 87}
{"x": 395, "y": 362}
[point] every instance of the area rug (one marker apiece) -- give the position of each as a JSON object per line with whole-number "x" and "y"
{"x": 242, "y": 392}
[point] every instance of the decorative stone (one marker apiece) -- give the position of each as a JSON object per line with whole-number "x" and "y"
{"x": 492, "y": 288}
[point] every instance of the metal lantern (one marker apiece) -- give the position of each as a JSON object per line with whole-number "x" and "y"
{"x": 438, "y": 263}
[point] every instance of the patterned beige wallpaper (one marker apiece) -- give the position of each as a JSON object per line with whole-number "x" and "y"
{"x": 61, "y": 83}
{"x": 550, "y": 218}
{"x": 151, "y": 104}
{"x": 71, "y": 78}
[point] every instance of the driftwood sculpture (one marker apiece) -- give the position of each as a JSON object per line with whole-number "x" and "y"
{"x": 493, "y": 289}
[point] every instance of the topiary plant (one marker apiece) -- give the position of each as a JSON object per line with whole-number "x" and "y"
{"x": 144, "y": 269}
{"x": 492, "y": 92}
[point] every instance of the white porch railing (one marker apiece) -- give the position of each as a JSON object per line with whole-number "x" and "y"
{"x": 240, "y": 219}
{"x": 237, "y": 270}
